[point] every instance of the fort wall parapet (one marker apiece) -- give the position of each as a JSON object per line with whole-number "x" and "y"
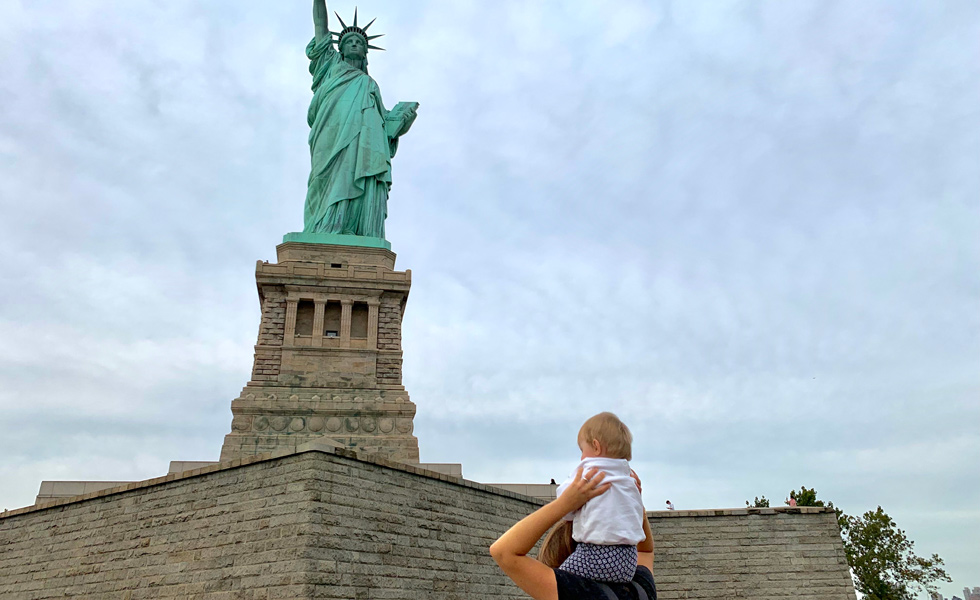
{"x": 320, "y": 521}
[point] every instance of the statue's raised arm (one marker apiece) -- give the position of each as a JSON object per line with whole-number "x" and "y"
{"x": 320, "y": 17}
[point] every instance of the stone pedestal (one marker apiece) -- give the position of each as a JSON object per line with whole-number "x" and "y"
{"x": 328, "y": 362}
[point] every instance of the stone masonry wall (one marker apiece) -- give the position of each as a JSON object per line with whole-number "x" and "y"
{"x": 760, "y": 554}
{"x": 413, "y": 541}
{"x": 315, "y": 524}
{"x": 389, "y": 326}
{"x": 389, "y": 370}
{"x": 326, "y": 523}
{"x": 389, "y": 365}
{"x": 272, "y": 328}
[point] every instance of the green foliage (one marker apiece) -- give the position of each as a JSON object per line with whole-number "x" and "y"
{"x": 762, "y": 502}
{"x": 805, "y": 497}
{"x": 882, "y": 560}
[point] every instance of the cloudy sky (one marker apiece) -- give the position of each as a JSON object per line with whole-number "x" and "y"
{"x": 749, "y": 228}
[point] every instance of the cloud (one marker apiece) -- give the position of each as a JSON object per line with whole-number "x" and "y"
{"x": 749, "y": 228}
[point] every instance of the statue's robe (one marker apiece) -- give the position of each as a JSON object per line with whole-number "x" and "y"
{"x": 350, "y": 150}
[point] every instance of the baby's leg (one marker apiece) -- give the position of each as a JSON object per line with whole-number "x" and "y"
{"x": 602, "y": 563}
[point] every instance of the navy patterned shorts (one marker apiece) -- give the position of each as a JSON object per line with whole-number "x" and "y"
{"x": 602, "y": 563}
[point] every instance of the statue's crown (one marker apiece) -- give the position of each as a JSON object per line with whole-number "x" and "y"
{"x": 354, "y": 29}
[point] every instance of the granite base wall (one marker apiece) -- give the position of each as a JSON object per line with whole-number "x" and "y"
{"x": 329, "y": 524}
{"x": 760, "y": 554}
{"x": 315, "y": 524}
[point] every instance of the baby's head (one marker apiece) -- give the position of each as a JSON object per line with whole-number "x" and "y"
{"x": 605, "y": 435}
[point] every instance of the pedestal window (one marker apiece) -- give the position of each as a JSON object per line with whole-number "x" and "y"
{"x": 305, "y": 312}
{"x": 332, "y": 319}
{"x": 359, "y": 321}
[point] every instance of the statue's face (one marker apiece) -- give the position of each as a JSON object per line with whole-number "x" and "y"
{"x": 353, "y": 47}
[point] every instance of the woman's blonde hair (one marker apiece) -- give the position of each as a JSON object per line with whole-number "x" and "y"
{"x": 611, "y": 433}
{"x": 558, "y": 545}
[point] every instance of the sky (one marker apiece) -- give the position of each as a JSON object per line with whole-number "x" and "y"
{"x": 749, "y": 228}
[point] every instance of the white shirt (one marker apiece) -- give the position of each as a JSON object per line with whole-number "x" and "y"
{"x": 615, "y": 517}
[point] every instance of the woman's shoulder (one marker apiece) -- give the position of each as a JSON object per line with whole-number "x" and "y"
{"x": 644, "y": 579}
{"x": 575, "y": 587}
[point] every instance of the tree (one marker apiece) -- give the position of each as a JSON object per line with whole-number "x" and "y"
{"x": 806, "y": 497}
{"x": 882, "y": 560}
{"x": 762, "y": 502}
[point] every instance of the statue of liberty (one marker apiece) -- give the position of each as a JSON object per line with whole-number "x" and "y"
{"x": 352, "y": 136}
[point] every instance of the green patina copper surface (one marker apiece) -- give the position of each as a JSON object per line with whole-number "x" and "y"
{"x": 338, "y": 239}
{"x": 352, "y": 136}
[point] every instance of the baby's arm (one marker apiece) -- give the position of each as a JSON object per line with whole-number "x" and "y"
{"x": 636, "y": 478}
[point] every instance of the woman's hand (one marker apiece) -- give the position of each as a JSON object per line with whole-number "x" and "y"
{"x": 636, "y": 478}
{"x": 583, "y": 488}
{"x": 510, "y": 551}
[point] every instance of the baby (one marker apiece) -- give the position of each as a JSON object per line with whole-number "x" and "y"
{"x": 609, "y": 526}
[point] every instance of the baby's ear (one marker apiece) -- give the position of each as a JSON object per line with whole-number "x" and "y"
{"x": 597, "y": 447}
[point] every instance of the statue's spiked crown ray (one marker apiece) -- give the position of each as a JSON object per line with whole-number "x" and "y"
{"x": 361, "y": 31}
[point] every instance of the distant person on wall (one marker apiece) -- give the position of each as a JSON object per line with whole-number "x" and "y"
{"x": 791, "y": 501}
{"x": 670, "y": 505}
{"x": 608, "y": 528}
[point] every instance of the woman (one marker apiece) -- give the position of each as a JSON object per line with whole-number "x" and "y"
{"x": 544, "y": 582}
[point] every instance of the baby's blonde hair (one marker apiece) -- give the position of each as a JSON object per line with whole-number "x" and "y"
{"x": 611, "y": 433}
